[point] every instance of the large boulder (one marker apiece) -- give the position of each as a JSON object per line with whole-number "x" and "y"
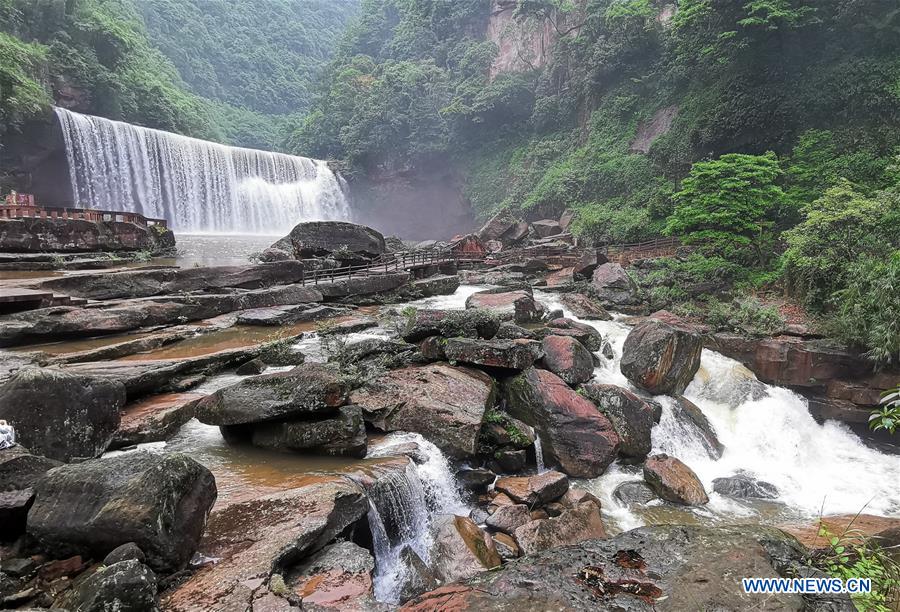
{"x": 509, "y": 518}
{"x": 665, "y": 568}
{"x": 158, "y": 502}
{"x": 584, "y": 333}
{"x": 320, "y": 238}
{"x": 587, "y": 263}
{"x": 445, "y": 404}
{"x": 567, "y": 358}
{"x": 127, "y": 586}
{"x": 662, "y": 355}
{"x": 583, "y": 522}
{"x": 497, "y": 227}
{"x": 461, "y": 549}
{"x": 519, "y": 306}
{"x": 19, "y": 470}
{"x": 574, "y": 434}
{"x": 632, "y": 417}
{"x": 674, "y": 481}
{"x": 546, "y": 228}
{"x": 693, "y": 420}
{"x": 505, "y": 354}
{"x": 263, "y": 536}
{"x": 534, "y": 490}
{"x": 61, "y": 415}
{"x": 341, "y": 435}
{"x": 613, "y": 286}
{"x": 306, "y": 390}
{"x": 424, "y": 323}
{"x": 585, "y": 307}
{"x": 42, "y": 235}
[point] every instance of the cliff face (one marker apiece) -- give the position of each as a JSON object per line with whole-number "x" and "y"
{"x": 526, "y": 42}
{"x": 33, "y": 161}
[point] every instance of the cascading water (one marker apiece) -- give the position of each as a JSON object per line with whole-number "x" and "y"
{"x": 767, "y": 432}
{"x": 401, "y": 507}
{"x": 538, "y": 454}
{"x": 198, "y": 186}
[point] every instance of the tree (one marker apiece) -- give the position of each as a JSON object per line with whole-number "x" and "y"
{"x": 838, "y": 229}
{"x": 723, "y": 203}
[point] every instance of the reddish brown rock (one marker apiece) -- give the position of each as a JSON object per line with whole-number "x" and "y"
{"x": 534, "y": 491}
{"x": 155, "y": 418}
{"x": 252, "y": 540}
{"x": 560, "y": 278}
{"x": 508, "y": 518}
{"x": 662, "y": 356}
{"x": 519, "y": 306}
{"x": 788, "y": 360}
{"x": 506, "y": 354}
{"x": 461, "y": 549}
{"x": 613, "y": 286}
{"x": 584, "y": 333}
{"x": 445, "y": 404}
{"x": 338, "y": 577}
{"x": 307, "y": 389}
{"x": 584, "y": 307}
{"x": 497, "y": 226}
{"x": 567, "y": 358}
{"x": 674, "y": 481}
{"x": 574, "y": 434}
{"x": 583, "y": 522}
{"x": 632, "y": 417}
{"x": 590, "y": 259}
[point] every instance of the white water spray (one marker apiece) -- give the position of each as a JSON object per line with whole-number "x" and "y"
{"x": 768, "y": 433}
{"x": 198, "y": 186}
{"x": 402, "y": 506}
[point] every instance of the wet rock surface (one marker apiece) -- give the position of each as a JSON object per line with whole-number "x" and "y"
{"x": 613, "y": 286}
{"x": 445, "y": 404}
{"x": 307, "y": 389}
{"x": 585, "y": 307}
{"x": 256, "y": 539}
{"x": 461, "y": 549}
{"x": 742, "y": 486}
{"x": 518, "y": 306}
{"x": 62, "y": 415}
{"x": 338, "y": 577}
{"x": 673, "y": 481}
{"x": 574, "y": 434}
{"x": 632, "y": 417}
{"x": 126, "y": 586}
{"x": 534, "y": 490}
{"x": 567, "y": 358}
{"x": 571, "y": 526}
{"x": 663, "y": 567}
{"x": 476, "y": 323}
{"x": 320, "y": 238}
{"x": 662, "y": 355}
{"x": 505, "y": 354}
{"x": 159, "y": 503}
{"x": 343, "y": 435}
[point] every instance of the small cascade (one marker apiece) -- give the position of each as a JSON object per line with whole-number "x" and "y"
{"x": 539, "y": 454}
{"x": 768, "y": 433}
{"x": 7, "y": 435}
{"x": 198, "y": 186}
{"x": 401, "y": 507}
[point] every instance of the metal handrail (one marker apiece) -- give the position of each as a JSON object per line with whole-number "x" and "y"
{"x": 390, "y": 262}
{"x": 29, "y": 211}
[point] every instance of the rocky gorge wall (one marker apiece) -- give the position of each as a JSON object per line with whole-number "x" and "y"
{"x": 34, "y": 161}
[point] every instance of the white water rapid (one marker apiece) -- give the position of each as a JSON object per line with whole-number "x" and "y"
{"x": 768, "y": 433}
{"x": 198, "y": 186}
{"x": 401, "y": 507}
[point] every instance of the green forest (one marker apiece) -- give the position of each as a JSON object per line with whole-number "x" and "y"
{"x": 217, "y": 70}
{"x": 780, "y": 165}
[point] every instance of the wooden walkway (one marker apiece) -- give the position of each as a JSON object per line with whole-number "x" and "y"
{"x": 392, "y": 263}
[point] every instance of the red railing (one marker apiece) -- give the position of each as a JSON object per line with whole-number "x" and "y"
{"x": 30, "y": 211}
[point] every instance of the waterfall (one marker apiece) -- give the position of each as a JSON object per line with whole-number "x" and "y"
{"x": 401, "y": 507}
{"x": 539, "y": 454}
{"x": 198, "y": 186}
{"x": 768, "y": 433}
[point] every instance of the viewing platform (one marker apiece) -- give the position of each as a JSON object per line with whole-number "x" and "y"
{"x": 23, "y": 206}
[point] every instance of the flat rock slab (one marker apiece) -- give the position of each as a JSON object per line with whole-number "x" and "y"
{"x": 254, "y": 539}
{"x": 662, "y": 568}
{"x": 155, "y": 418}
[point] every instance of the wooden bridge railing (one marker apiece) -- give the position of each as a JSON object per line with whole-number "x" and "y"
{"x": 391, "y": 263}
{"x": 28, "y": 211}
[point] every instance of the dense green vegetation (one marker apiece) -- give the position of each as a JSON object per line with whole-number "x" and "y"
{"x": 727, "y": 123}
{"x": 226, "y": 71}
